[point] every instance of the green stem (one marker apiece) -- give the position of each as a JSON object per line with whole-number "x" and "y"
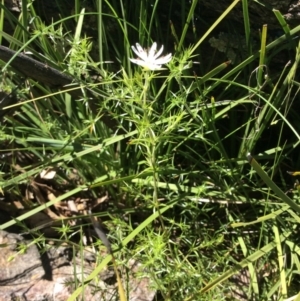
{"x": 151, "y": 147}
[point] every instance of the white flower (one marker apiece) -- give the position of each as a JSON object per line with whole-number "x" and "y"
{"x": 150, "y": 59}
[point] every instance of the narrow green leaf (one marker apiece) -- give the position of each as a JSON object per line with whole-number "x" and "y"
{"x": 271, "y": 184}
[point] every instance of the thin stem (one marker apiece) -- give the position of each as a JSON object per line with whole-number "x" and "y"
{"x": 151, "y": 146}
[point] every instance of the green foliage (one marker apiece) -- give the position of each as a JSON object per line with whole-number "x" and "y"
{"x": 177, "y": 152}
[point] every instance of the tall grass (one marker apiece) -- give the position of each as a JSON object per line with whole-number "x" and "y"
{"x": 179, "y": 151}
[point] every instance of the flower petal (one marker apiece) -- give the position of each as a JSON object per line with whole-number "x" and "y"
{"x": 139, "y": 51}
{"x": 146, "y": 65}
{"x": 159, "y": 52}
{"x": 138, "y": 62}
{"x": 149, "y": 59}
{"x": 164, "y": 59}
{"x": 151, "y": 53}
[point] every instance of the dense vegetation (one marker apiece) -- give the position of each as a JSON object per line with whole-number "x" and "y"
{"x": 164, "y": 156}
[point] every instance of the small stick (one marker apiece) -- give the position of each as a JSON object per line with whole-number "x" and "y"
{"x": 101, "y": 234}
